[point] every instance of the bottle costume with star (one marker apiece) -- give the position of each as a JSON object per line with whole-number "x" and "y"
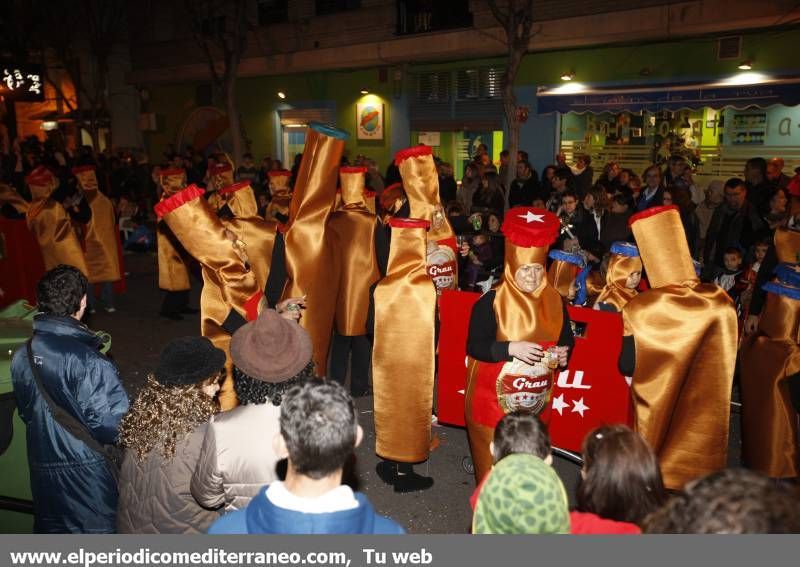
{"x": 497, "y": 383}
{"x": 679, "y": 345}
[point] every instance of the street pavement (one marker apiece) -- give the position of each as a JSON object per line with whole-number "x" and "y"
{"x": 139, "y": 333}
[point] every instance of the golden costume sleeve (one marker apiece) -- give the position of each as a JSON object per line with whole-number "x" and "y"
{"x": 102, "y": 254}
{"x": 685, "y": 335}
{"x": 403, "y": 354}
{"x": 227, "y": 283}
{"x": 51, "y": 224}
{"x": 352, "y": 236}
{"x": 256, "y": 235}
{"x": 307, "y": 258}
{"x": 767, "y": 359}
{"x": 173, "y": 272}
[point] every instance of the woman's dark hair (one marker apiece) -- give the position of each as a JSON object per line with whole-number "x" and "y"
{"x": 250, "y": 390}
{"x": 600, "y": 196}
{"x": 622, "y": 479}
{"x": 773, "y": 192}
{"x": 492, "y": 182}
{"x": 564, "y": 173}
{"x": 623, "y": 198}
{"x": 60, "y": 291}
{"x": 520, "y": 432}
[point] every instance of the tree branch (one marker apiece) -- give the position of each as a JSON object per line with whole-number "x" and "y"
{"x": 499, "y": 15}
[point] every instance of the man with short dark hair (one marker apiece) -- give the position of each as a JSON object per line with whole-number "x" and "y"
{"x": 734, "y": 224}
{"x": 525, "y": 186}
{"x": 319, "y": 431}
{"x": 758, "y": 186}
{"x": 73, "y": 488}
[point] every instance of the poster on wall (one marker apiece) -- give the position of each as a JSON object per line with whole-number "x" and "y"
{"x": 369, "y": 117}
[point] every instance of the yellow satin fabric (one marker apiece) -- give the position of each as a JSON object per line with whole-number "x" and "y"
{"x": 171, "y": 184}
{"x": 619, "y": 269}
{"x": 257, "y": 234}
{"x": 686, "y": 339}
{"x": 421, "y": 184}
{"x": 173, "y": 270}
{"x": 102, "y": 255}
{"x": 219, "y": 180}
{"x": 769, "y": 420}
{"x": 403, "y": 356}
{"x": 9, "y": 195}
{"x": 658, "y": 236}
{"x": 281, "y": 197}
{"x": 370, "y": 200}
{"x": 560, "y": 275}
{"x": 787, "y": 245}
{"x": 351, "y": 231}
{"x": 308, "y": 262}
{"x": 536, "y": 316}
{"x": 227, "y": 283}
{"x": 594, "y": 286}
{"x": 480, "y": 436}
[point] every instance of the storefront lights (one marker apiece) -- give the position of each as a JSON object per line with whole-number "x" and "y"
{"x": 746, "y": 79}
{"x": 364, "y": 91}
{"x": 746, "y": 65}
{"x": 568, "y": 76}
{"x": 49, "y": 125}
{"x": 570, "y": 88}
{"x": 281, "y": 95}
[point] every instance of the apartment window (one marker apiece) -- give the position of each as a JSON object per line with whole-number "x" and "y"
{"x": 433, "y": 87}
{"x": 333, "y": 6}
{"x": 423, "y": 16}
{"x": 272, "y": 12}
{"x": 483, "y": 83}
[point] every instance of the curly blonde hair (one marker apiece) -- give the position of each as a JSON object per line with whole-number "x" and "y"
{"x": 164, "y": 415}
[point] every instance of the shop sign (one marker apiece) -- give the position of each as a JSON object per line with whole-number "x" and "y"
{"x": 22, "y": 83}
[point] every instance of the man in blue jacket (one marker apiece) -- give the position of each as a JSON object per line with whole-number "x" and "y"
{"x": 73, "y": 490}
{"x": 319, "y": 431}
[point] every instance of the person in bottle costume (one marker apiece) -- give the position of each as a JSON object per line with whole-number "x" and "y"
{"x": 280, "y": 196}
{"x": 511, "y": 331}
{"x": 219, "y": 175}
{"x": 230, "y": 294}
{"x": 622, "y": 277}
{"x": 679, "y": 345}
{"x": 351, "y": 234}
{"x": 770, "y": 382}
{"x": 51, "y": 224}
{"x": 173, "y": 262}
{"x": 567, "y": 274}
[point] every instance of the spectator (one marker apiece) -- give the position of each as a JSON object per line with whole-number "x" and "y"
{"x": 469, "y": 185}
{"x": 714, "y": 196}
{"x": 610, "y": 177}
{"x": 547, "y": 181}
{"x": 318, "y": 433}
{"x": 580, "y": 224}
{"x": 374, "y": 179}
{"x": 775, "y": 173}
{"x": 229, "y": 472}
{"x": 524, "y": 187}
{"x": 620, "y": 483}
{"x": 735, "y": 224}
{"x": 616, "y": 224}
{"x": 730, "y": 278}
{"x": 775, "y": 212}
{"x": 596, "y": 204}
{"x": 478, "y": 260}
{"x": 73, "y": 486}
{"x": 448, "y": 190}
{"x": 682, "y": 199}
{"x": 522, "y": 495}
{"x": 583, "y": 173}
{"x": 561, "y": 181}
{"x": 731, "y": 501}
{"x": 503, "y": 169}
{"x": 755, "y": 176}
{"x": 653, "y": 194}
{"x": 489, "y": 196}
{"x": 247, "y": 171}
{"x": 163, "y": 434}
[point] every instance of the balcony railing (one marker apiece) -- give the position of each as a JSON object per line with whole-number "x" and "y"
{"x": 425, "y": 16}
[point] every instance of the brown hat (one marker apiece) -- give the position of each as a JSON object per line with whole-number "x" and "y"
{"x": 271, "y": 348}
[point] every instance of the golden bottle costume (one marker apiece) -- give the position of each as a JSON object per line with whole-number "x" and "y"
{"x": 538, "y": 316}
{"x": 684, "y": 335}
{"x": 228, "y": 285}
{"x": 625, "y": 260}
{"x": 173, "y": 271}
{"x": 567, "y": 274}
{"x": 307, "y": 256}
{"x": 421, "y": 185}
{"x": 769, "y": 358}
{"x": 256, "y": 235}
{"x": 403, "y": 355}
{"x": 281, "y": 193}
{"x": 102, "y": 244}
{"x": 219, "y": 175}
{"x": 787, "y": 245}
{"x": 51, "y": 224}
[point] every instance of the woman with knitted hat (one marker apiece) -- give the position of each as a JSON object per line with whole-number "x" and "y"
{"x": 510, "y": 331}
{"x": 269, "y": 356}
{"x": 162, "y": 434}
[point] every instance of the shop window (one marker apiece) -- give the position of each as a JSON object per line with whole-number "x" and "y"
{"x": 324, "y": 7}
{"x": 433, "y": 87}
{"x": 423, "y": 16}
{"x": 272, "y": 12}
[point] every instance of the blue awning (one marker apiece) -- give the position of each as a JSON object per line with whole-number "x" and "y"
{"x": 673, "y": 98}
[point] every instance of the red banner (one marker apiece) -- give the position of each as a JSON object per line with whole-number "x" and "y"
{"x": 589, "y": 393}
{"x": 21, "y": 264}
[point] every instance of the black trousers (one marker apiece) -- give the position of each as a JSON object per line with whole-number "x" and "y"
{"x": 358, "y": 351}
{"x": 175, "y": 302}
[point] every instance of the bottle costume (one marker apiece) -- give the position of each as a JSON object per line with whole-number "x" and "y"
{"x": 51, "y": 224}
{"x": 681, "y": 341}
{"x": 403, "y": 360}
{"x": 230, "y": 292}
{"x": 351, "y": 234}
{"x": 625, "y": 260}
{"x": 219, "y": 175}
{"x": 308, "y": 262}
{"x": 281, "y": 196}
{"x": 567, "y": 274}
{"x": 102, "y": 236}
{"x": 421, "y": 185}
{"x": 496, "y": 382}
{"x": 787, "y": 244}
{"x": 173, "y": 269}
{"x": 255, "y": 235}
{"x": 770, "y": 362}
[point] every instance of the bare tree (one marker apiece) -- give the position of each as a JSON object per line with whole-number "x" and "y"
{"x": 220, "y": 29}
{"x": 516, "y": 19}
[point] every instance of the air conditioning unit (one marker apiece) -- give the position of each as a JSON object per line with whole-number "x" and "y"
{"x": 729, "y": 48}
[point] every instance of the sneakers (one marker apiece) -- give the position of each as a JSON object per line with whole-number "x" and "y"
{"x": 402, "y": 477}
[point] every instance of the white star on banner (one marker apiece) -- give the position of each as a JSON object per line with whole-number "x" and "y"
{"x": 579, "y": 407}
{"x": 559, "y": 405}
{"x": 530, "y": 217}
